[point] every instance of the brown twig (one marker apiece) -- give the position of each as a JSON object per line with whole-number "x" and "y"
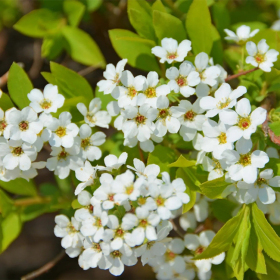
{"x": 37, "y": 61}
{"x": 32, "y": 201}
{"x": 176, "y": 229}
{"x": 88, "y": 70}
{"x": 231, "y": 77}
{"x": 44, "y": 268}
{"x": 141, "y": 153}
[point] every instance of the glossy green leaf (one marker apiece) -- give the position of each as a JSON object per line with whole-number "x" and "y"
{"x": 5, "y": 101}
{"x": 140, "y": 17}
{"x": 82, "y": 48}
{"x": 19, "y": 85}
{"x": 192, "y": 194}
{"x": 214, "y": 188}
{"x": 221, "y": 16}
{"x": 270, "y": 241}
{"x": 136, "y": 49}
{"x": 191, "y": 179}
{"x": 168, "y": 26}
{"x": 223, "y": 239}
{"x": 39, "y": 23}
{"x": 76, "y": 205}
{"x": 158, "y": 6}
{"x": 198, "y": 24}
{"x": 11, "y": 227}
{"x": 6, "y": 203}
{"x": 182, "y": 162}
{"x": 74, "y": 11}
{"x": 19, "y": 186}
{"x": 273, "y": 270}
{"x": 53, "y": 46}
{"x": 92, "y": 5}
{"x": 222, "y": 209}
{"x": 275, "y": 127}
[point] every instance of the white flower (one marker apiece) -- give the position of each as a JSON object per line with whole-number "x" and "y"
{"x": 244, "y": 164}
{"x": 260, "y": 56}
{"x": 170, "y": 50}
{"x": 198, "y": 244}
{"x": 84, "y": 198}
{"x": 48, "y": 101}
{"x": 224, "y": 98}
{"x": 88, "y": 142}
{"x": 215, "y": 167}
{"x": 166, "y": 121}
{"x": 24, "y": 125}
{"x": 32, "y": 171}
{"x": 85, "y": 174}
{"x": 63, "y": 160}
{"x": 144, "y": 171}
{"x": 151, "y": 91}
{"x": 3, "y": 123}
{"x": 190, "y": 117}
{"x": 260, "y": 189}
{"x": 128, "y": 93}
{"x": 17, "y": 153}
{"x": 208, "y": 75}
{"x": 113, "y": 162}
{"x": 94, "y": 117}
{"x": 139, "y": 122}
{"x": 246, "y": 123}
{"x": 243, "y": 33}
{"x": 63, "y": 131}
{"x": 216, "y": 138}
{"x": 184, "y": 79}
{"x": 112, "y": 76}
{"x": 68, "y": 231}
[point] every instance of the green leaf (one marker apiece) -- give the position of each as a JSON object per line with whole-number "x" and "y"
{"x": 105, "y": 98}
{"x": 214, "y": 188}
{"x": 6, "y": 203}
{"x": 217, "y": 50}
{"x": 136, "y": 49}
{"x": 69, "y": 83}
{"x": 223, "y": 239}
{"x": 162, "y": 156}
{"x": 140, "y": 17}
{"x": 182, "y": 162}
{"x": 92, "y": 5}
{"x": 74, "y": 11}
{"x": 19, "y": 86}
{"x": 191, "y": 180}
{"x": 19, "y": 186}
{"x": 222, "y": 209}
{"x": 53, "y": 46}
{"x": 221, "y": 16}
{"x": 274, "y": 164}
{"x": 39, "y": 23}
{"x": 198, "y": 24}
{"x": 158, "y": 6}
{"x": 192, "y": 194}
{"x": 76, "y": 205}
{"x": 270, "y": 241}
{"x": 273, "y": 270}
{"x": 5, "y": 101}
{"x": 11, "y": 227}
{"x": 31, "y": 212}
{"x": 168, "y": 26}
{"x": 275, "y": 127}
{"x": 255, "y": 258}
{"x": 82, "y": 48}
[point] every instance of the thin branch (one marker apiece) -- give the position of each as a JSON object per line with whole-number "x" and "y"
{"x": 88, "y": 70}
{"x": 31, "y": 201}
{"x": 176, "y": 229}
{"x": 44, "y": 268}
{"x": 141, "y": 153}
{"x": 229, "y": 78}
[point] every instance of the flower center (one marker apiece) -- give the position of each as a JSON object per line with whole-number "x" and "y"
{"x": 119, "y": 232}
{"x": 260, "y": 58}
{"x": 132, "y": 92}
{"x": 245, "y": 159}
{"x": 150, "y": 92}
{"x": 70, "y": 228}
{"x": 129, "y": 189}
{"x": 116, "y": 79}
{"x": 3, "y": 125}
{"x": 45, "y": 103}
{"x": 17, "y": 151}
{"x": 150, "y": 244}
{"x": 169, "y": 255}
{"x": 62, "y": 155}
{"x": 199, "y": 250}
{"x": 172, "y": 55}
{"x": 85, "y": 143}
{"x": 96, "y": 247}
{"x": 217, "y": 164}
{"x": 23, "y": 125}
{"x": 163, "y": 113}
{"x": 223, "y": 103}
{"x": 91, "y": 117}
{"x": 222, "y": 138}
{"x": 141, "y": 200}
{"x": 160, "y": 201}
{"x": 98, "y": 222}
{"x": 143, "y": 223}
{"x": 140, "y": 119}
{"x": 116, "y": 254}
{"x": 244, "y": 123}
{"x": 111, "y": 197}
{"x": 61, "y": 131}
{"x": 261, "y": 181}
{"x": 181, "y": 81}
{"x": 190, "y": 115}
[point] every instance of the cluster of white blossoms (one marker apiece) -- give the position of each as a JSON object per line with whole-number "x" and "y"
{"x": 23, "y": 134}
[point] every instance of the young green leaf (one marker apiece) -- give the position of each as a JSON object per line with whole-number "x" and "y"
{"x": 39, "y": 23}
{"x": 198, "y": 24}
{"x": 6, "y": 204}
{"x": 270, "y": 241}
{"x": 222, "y": 209}
{"x": 273, "y": 270}
{"x": 5, "y": 101}
{"x": 53, "y": 46}
{"x": 223, "y": 239}
{"x": 19, "y": 186}
{"x": 136, "y": 49}
{"x": 190, "y": 178}
{"x": 275, "y": 127}
{"x": 19, "y": 86}
{"x": 182, "y": 162}
{"x": 158, "y": 6}
{"x": 82, "y": 48}
{"x": 214, "y": 188}
{"x": 168, "y": 26}
{"x": 74, "y": 11}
